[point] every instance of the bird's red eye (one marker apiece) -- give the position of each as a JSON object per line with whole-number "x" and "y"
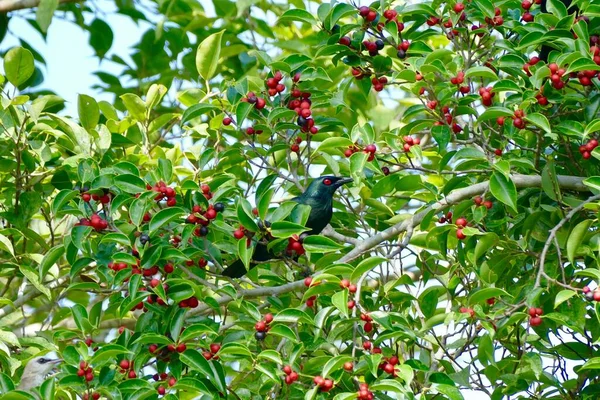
{"x": 327, "y": 181}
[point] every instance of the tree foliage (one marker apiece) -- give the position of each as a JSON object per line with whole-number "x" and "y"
{"x": 464, "y": 255}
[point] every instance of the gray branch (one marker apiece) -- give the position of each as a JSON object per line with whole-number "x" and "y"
{"x": 14, "y": 5}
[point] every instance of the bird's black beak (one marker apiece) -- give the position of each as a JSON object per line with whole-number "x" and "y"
{"x": 343, "y": 181}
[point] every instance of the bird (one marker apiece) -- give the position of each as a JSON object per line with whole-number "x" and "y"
{"x": 35, "y": 372}
{"x": 571, "y": 8}
{"x": 319, "y": 196}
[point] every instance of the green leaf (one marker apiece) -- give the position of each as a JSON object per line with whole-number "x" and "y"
{"x": 89, "y": 112}
{"x": 130, "y": 183}
{"x": 495, "y": 112}
{"x": 165, "y": 216}
{"x": 340, "y": 301}
{"x": 593, "y": 182}
{"x": 208, "y": 54}
{"x": 283, "y": 331}
{"x": 539, "y": 120}
{"x": 563, "y": 296}
{"x": 242, "y": 111}
{"x": 44, "y": 13}
{"x": 365, "y": 266}
{"x": 297, "y": 15}
{"x": 245, "y": 216}
{"x": 108, "y": 352}
{"x": 320, "y": 244}
{"x": 284, "y": 229}
{"x": 196, "y": 110}
{"x": 592, "y": 363}
{"x": 504, "y": 190}
{"x": 335, "y": 364}
{"x": 482, "y": 295}
{"x": 271, "y": 355}
{"x": 50, "y": 259}
{"x": 576, "y": 238}
{"x": 482, "y": 72}
{"x": 135, "y": 106}
{"x": 35, "y": 281}
{"x": 244, "y": 252}
{"x": 235, "y": 349}
{"x": 5, "y": 244}
{"x": 18, "y": 65}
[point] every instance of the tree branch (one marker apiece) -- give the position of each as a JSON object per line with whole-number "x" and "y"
{"x": 14, "y": 5}
{"x": 573, "y": 183}
{"x": 521, "y": 181}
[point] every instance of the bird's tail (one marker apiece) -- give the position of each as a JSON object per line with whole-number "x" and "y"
{"x": 235, "y": 270}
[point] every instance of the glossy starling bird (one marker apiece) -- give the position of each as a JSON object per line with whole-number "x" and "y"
{"x": 319, "y": 196}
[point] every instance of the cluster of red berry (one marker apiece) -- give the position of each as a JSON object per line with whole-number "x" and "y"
{"x": 262, "y": 327}
{"x": 467, "y": 310}
{"x": 95, "y": 396}
{"x": 532, "y": 61}
{"x": 364, "y": 393}
{"x": 409, "y": 141}
{"x": 124, "y": 366}
{"x": 211, "y": 353}
{"x": 104, "y": 199}
{"x": 368, "y": 320}
{"x": 446, "y": 218}
{"x": 518, "y": 121}
{"x": 534, "y": 316}
{"x": 325, "y": 385}
{"x": 486, "y": 95}
{"x": 479, "y": 201}
{"x": 274, "y": 84}
{"x": 291, "y": 376}
{"x": 345, "y": 284}
{"x": 164, "y": 192}
{"x": 556, "y": 76}
{"x": 202, "y": 217}
{"x": 586, "y": 149}
{"x": 461, "y": 223}
{"x": 295, "y": 246}
{"x": 95, "y": 221}
{"x": 389, "y": 365}
{"x": 259, "y": 102}
{"x": 85, "y": 371}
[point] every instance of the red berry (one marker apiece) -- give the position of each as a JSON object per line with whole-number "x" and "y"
{"x": 368, "y": 327}
{"x": 152, "y": 348}
{"x": 215, "y": 347}
{"x": 344, "y": 283}
{"x": 181, "y": 347}
{"x": 367, "y": 345}
{"x": 268, "y": 318}
{"x": 488, "y": 204}
{"x": 532, "y": 312}
{"x": 462, "y": 222}
{"x": 348, "y": 366}
{"x": 124, "y": 364}
{"x": 308, "y": 281}
{"x": 460, "y": 234}
{"x": 459, "y": 7}
{"x": 226, "y": 121}
{"x": 161, "y": 390}
{"x": 260, "y": 326}
{"x": 535, "y": 321}
{"x": 238, "y": 234}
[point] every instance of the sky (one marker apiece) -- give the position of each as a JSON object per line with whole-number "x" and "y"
{"x": 70, "y": 61}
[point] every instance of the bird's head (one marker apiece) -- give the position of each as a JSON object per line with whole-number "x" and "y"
{"x": 36, "y": 370}
{"x": 326, "y": 185}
